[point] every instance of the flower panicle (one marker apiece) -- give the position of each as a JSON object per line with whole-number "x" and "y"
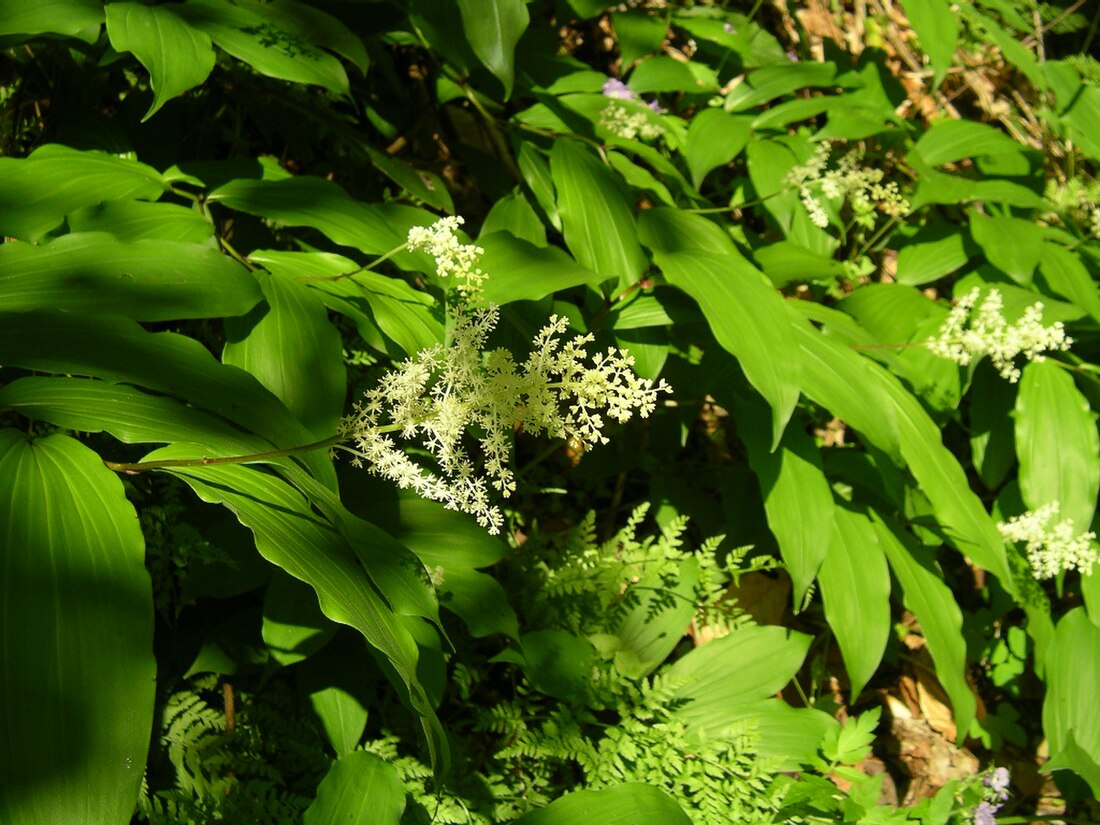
{"x": 967, "y": 335}
{"x": 453, "y": 259}
{"x": 863, "y": 187}
{"x": 1052, "y": 546}
{"x": 462, "y": 404}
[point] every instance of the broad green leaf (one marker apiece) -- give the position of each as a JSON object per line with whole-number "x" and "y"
{"x": 1083, "y": 120}
{"x": 1071, "y": 714}
{"x": 937, "y": 249}
{"x": 493, "y": 28}
{"x": 747, "y": 665}
{"x": 626, "y": 804}
{"x": 748, "y": 318}
{"x": 69, "y": 17}
{"x": 292, "y": 536}
{"x": 930, "y": 599}
{"x": 597, "y": 218}
{"x": 948, "y": 141}
{"x": 318, "y": 203}
{"x": 453, "y": 547}
{"x": 855, "y": 589}
{"x": 422, "y": 184}
{"x": 714, "y": 138}
{"x": 515, "y": 215}
{"x": 520, "y": 271}
{"x": 1067, "y": 275}
{"x": 1013, "y": 245}
{"x": 770, "y": 82}
{"x": 139, "y": 220}
{"x": 37, "y": 192}
{"x": 639, "y": 179}
{"x": 359, "y": 789}
{"x": 769, "y": 163}
{"x": 674, "y": 230}
{"x": 991, "y": 428}
{"x": 637, "y": 34}
{"x": 536, "y": 174}
{"x": 269, "y": 45}
{"x": 323, "y": 29}
{"x": 1057, "y": 444}
{"x": 373, "y": 301}
{"x": 293, "y": 625}
{"x": 176, "y": 56}
{"x": 288, "y": 344}
{"x": 119, "y": 351}
{"x": 652, "y": 629}
{"x": 798, "y": 501}
{"x": 342, "y": 715}
{"x": 558, "y": 663}
{"x": 786, "y": 262}
{"x": 661, "y": 73}
{"x": 934, "y": 186}
{"x": 76, "y": 637}
{"x": 149, "y": 280}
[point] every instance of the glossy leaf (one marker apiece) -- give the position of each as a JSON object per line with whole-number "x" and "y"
{"x": 1069, "y": 277}
{"x": 653, "y": 628}
{"x": 745, "y": 666}
{"x": 177, "y": 56}
{"x": 1071, "y": 714}
{"x": 37, "y": 192}
{"x": 1057, "y": 444}
{"x": 69, "y": 17}
{"x": 147, "y": 280}
{"x": 119, "y": 351}
{"x": 139, "y": 220}
{"x": 267, "y": 44}
{"x": 597, "y": 219}
{"x": 749, "y": 319}
{"x": 342, "y": 716}
{"x": 359, "y": 789}
{"x": 76, "y": 637}
{"x": 291, "y": 535}
{"x": 952, "y": 140}
{"x": 930, "y": 599}
{"x": 293, "y": 625}
{"x": 714, "y": 138}
{"x": 288, "y": 344}
{"x": 493, "y": 28}
{"x": 798, "y": 500}
{"x": 626, "y": 804}
{"x": 520, "y": 271}
{"x": 1013, "y": 245}
{"x": 855, "y": 590}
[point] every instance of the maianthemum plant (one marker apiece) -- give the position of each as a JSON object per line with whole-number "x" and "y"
{"x": 730, "y": 280}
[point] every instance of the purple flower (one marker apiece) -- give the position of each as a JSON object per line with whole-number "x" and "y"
{"x": 617, "y": 90}
{"x": 983, "y": 814}
{"x": 656, "y": 107}
{"x": 998, "y": 781}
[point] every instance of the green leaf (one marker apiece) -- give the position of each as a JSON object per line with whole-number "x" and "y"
{"x": 662, "y": 73}
{"x": 637, "y": 34}
{"x": 746, "y": 665}
{"x": 714, "y": 138}
{"x": 374, "y": 302}
{"x": 596, "y": 215}
{"x": 270, "y": 45}
{"x": 1013, "y": 245}
{"x": 650, "y": 632}
{"x": 139, "y": 220}
{"x": 76, "y": 637}
{"x": 38, "y": 191}
{"x": 558, "y": 663}
{"x": 626, "y": 804}
{"x": 851, "y": 742}
{"x": 69, "y": 17}
{"x": 288, "y": 344}
{"x": 934, "y": 605}
{"x": 359, "y": 789}
{"x": 147, "y": 280}
{"x": 321, "y": 204}
{"x": 493, "y": 28}
{"x": 1071, "y": 715}
{"x": 176, "y": 56}
{"x": 748, "y": 318}
{"x": 514, "y": 214}
{"x": 937, "y": 249}
{"x": 770, "y": 82}
{"x": 951, "y": 140}
{"x": 323, "y": 29}
{"x": 798, "y": 501}
{"x": 293, "y": 625}
{"x": 991, "y": 428}
{"x": 342, "y": 715}
{"x": 452, "y": 546}
{"x": 119, "y": 351}
{"x": 520, "y": 271}
{"x": 291, "y": 535}
{"x": 855, "y": 589}
{"x": 1057, "y": 444}
{"x": 1067, "y": 275}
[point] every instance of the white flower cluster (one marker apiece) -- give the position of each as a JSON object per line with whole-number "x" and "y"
{"x": 1051, "y": 547}
{"x": 628, "y": 124}
{"x": 861, "y": 185}
{"x": 453, "y": 259}
{"x": 963, "y": 338}
{"x": 449, "y": 398}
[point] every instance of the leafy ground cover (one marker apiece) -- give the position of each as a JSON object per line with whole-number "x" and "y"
{"x": 510, "y": 411}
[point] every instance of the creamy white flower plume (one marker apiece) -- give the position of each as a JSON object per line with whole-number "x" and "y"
{"x": 453, "y": 259}
{"x": 1052, "y": 546}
